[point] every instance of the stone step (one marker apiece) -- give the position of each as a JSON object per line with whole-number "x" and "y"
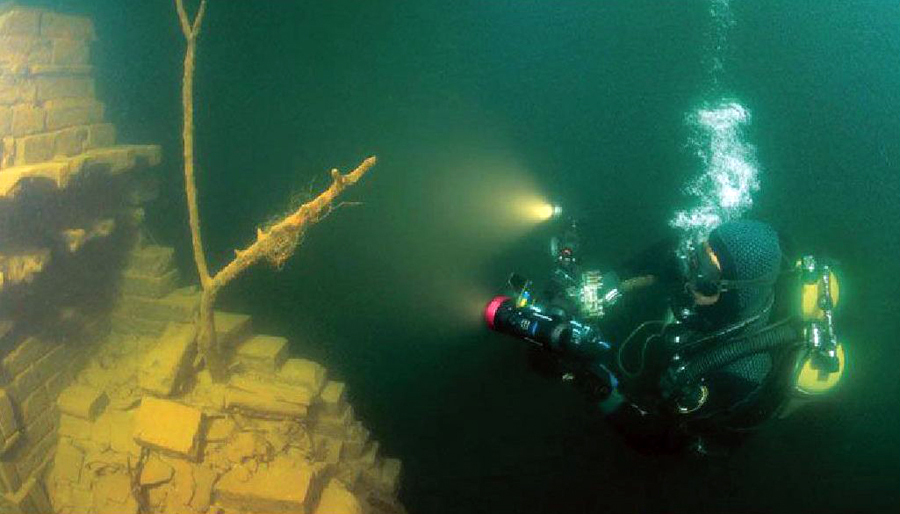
{"x": 262, "y": 353}
{"x": 166, "y": 366}
{"x": 61, "y": 171}
{"x": 337, "y": 425}
{"x": 150, "y": 286}
{"x": 304, "y": 372}
{"x": 150, "y": 260}
{"x": 262, "y": 398}
{"x": 127, "y": 324}
{"x": 178, "y": 306}
{"x": 82, "y": 402}
{"x": 336, "y": 499}
{"x": 232, "y": 329}
{"x": 285, "y": 487}
{"x": 148, "y": 316}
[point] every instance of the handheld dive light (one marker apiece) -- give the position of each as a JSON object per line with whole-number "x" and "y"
{"x": 550, "y": 328}
{"x": 578, "y": 347}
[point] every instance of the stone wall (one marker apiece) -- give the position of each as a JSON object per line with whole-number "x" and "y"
{"x": 105, "y": 405}
{"x": 69, "y": 201}
{"x": 47, "y": 104}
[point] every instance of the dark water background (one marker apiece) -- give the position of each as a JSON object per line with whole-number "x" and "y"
{"x": 583, "y": 101}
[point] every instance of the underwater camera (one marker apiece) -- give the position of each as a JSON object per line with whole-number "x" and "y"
{"x": 549, "y": 327}
{"x": 562, "y": 324}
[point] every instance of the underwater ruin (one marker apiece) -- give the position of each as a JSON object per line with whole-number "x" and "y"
{"x": 108, "y": 403}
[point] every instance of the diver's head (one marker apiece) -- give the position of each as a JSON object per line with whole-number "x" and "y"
{"x": 735, "y": 270}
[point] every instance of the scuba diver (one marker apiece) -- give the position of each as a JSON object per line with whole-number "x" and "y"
{"x": 732, "y": 352}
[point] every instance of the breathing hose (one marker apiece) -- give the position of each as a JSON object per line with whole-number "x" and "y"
{"x": 762, "y": 341}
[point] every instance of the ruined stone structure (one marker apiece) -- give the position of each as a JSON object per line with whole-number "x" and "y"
{"x": 105, "y": 405}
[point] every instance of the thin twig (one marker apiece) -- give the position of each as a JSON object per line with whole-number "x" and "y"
{"x": 137, "y": 490}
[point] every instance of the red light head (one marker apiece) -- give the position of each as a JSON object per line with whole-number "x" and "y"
{"x": 490, "y": 312}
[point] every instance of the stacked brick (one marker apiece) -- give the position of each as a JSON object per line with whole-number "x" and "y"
{"x": 278, "y": 437}
{"x": 127, "y": 420}
{"x": 47, "y": 104}
{"x": 52, "y": 127}
{"x": 150, "y": 297}
{"x": 31, "y": 377}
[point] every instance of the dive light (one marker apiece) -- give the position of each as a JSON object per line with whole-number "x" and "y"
{"x": 548, "y": 328}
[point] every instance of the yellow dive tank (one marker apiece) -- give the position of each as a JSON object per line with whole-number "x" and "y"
{"x": 810, "y": 380}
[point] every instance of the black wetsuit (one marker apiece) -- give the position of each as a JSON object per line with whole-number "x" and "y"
{"x": 720, "y": 406}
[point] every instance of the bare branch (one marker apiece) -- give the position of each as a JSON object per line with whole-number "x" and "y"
{"x": 276, "y": 243}
{"x": 183, "y": 18}
{"x": 290, "y": 227}
{"x": 195, "y": 29}
{"x": 190, "y": 30}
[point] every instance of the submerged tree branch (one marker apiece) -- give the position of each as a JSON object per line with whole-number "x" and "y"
{"x": 191, "y": 30}
{"x": 292, "y": 225}
{"x": 277, "y": 243}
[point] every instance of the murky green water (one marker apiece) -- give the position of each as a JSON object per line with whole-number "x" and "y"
{"x": 471, "y": 105}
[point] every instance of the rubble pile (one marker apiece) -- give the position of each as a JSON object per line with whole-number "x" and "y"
{"x": 107, "y": 408}
{"x": 144, "y": 429}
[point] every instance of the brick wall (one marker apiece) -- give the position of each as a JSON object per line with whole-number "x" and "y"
{"x": 47, "y": 103}
{"x": 51, "y": 128}
{"x": 31, "y": 377}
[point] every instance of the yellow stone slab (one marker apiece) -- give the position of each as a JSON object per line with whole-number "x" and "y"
{"x": 151, "y": 286}
{"x": 304, "y": 372}
{"x": 336, "y": 499}
{"x": 333, "y": 398}
{"x": 267, "y": 398}
{"x": 263, "y": 353}
{"x": 76, "y": 428}
{"x": 334, "y": 425}
{"x": 60, "y": 171}
{"x": 165, "y": 367}
{"x": 231, "y": 328}
{"x": 390, "y": 475}
{"x": 156, "y": 472}
{"x": 283, "y": 488}
{"x": 150, "y": 260}
{"x": 169, "y": 427}
{"x": 263, "y": 407}
{"x": 82, "y": 401}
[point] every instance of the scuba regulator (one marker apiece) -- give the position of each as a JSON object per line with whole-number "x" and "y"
{"x": 819, "y": 358}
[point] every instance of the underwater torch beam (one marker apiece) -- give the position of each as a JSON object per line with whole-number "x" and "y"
{"x": 276, "y": 243}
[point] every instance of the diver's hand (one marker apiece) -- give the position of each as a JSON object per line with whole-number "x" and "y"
{"x": 596, "y": 382}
